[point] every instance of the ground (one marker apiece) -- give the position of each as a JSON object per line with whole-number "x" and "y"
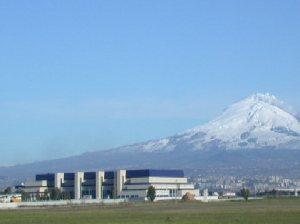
{"x": 261, "y": 211}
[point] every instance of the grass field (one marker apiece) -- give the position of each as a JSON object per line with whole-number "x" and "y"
{"x": 271, "y": 211}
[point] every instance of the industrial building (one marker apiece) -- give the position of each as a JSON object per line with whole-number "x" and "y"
{"x": 131, "y": 184}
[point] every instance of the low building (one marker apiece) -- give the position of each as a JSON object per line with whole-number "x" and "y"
{"x": 132, "y": 184}
{"x": 167, "y": 183}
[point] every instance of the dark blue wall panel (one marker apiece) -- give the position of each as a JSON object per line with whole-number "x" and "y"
{"x": 154, "y": 173}
{"x": 109, "y": 175}
{"x": 69, "y": 176}
{"x": 46, "y": 176}
{"x": 89, "y": 175}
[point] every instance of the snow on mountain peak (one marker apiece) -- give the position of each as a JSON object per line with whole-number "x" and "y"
{"x": 258, "y": 121}
{"x": 255, "y": 122}
{"x": 266, "y": 98}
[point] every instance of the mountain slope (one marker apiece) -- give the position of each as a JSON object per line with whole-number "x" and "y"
{"x": 255, "y": 136}
{"x": 257, "y": 122}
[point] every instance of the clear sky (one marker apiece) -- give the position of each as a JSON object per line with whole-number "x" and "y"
{"x": 80, "y": 76}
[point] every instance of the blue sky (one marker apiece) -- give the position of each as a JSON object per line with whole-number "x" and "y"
{"x": 80, "y": 76}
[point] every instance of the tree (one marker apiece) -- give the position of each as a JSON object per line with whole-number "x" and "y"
{"x": 245, "y": 193}
{"x": 111, "y": 194}
{"x": 38, "y": 196}
{"x": 66, "y": 195}
{"x": 8, "y": 190}
{"x": 151, "y": 193}
{"x": 25, "y": 196}
{"x": 46, "y": 195}
{"x": 55, "y": 194}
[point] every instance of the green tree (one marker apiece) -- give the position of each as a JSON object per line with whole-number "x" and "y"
{"x": 245, "y": 193}
{"x": 8, "y": 190}
{"x": 151, "y": 193}
{"x": 55, "y": 194}
{"x": 25, "y": 196}
{"x": 66, "y": 195}
{"x": 38, "y": 196}
{"x": 111, "y": 194}
{"x": 46, "y": 195}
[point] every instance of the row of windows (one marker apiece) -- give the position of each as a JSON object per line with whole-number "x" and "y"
{"x": 129, "y": 196}
{"x": 137, "y": 196}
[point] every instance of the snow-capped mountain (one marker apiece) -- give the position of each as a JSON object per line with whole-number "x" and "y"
{"x": 259, "y": 121}
{"x": 239, "y": 142}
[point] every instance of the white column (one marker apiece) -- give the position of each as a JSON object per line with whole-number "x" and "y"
{"x": 120, "y": 179}
{"x": 99, "y": 182}
{"x": 205, "y": 195}
{"x": 58, "y": 180}
{"x": 77, "y": 184}
{"x": 296, "y": 192}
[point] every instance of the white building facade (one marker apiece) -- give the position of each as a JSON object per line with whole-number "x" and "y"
{"x": 131, "y": 184}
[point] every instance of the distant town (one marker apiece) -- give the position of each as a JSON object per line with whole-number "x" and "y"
{"x": 258, "y": 185}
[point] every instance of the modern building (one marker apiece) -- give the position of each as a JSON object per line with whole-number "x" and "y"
{"x": 132, "y": 184}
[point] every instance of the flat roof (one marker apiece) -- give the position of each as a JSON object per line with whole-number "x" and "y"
{"x": 110, "y": 174}
{"x": 154, "y": 173}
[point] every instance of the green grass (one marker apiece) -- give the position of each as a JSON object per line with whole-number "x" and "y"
{"x": 283, "y": 211}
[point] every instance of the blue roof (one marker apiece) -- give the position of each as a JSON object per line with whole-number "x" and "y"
{"x": 69, "y": 176}
{"x": 109, "y": 174}
{"x": 89, "y": 175}
{"x": 154, "y": 173}
{"x": 47, "y": 176}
